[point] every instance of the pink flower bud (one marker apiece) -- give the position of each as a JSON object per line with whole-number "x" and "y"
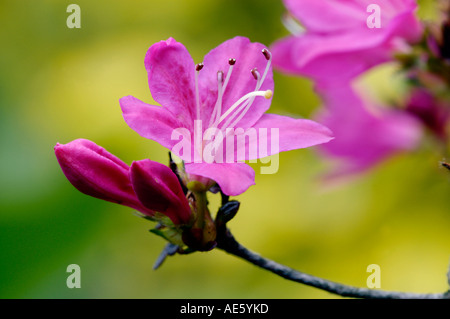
{"x": 96, "y": 172}
{"x": 158, "y": 188}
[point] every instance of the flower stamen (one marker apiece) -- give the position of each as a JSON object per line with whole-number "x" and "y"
{"x": 292, "y": 25}
{"x": 218, "y": 107}
{"x": 268, "y": 57}
{"x": 266, "y": 94}
{"x": 243, "y": 109}
{"x": 222, "y": 85}
{"x": 246, "y": 106}
{"x": 231, "y": 62}
{"x": 238, "y": 110}
{"x": 198, "y": 67}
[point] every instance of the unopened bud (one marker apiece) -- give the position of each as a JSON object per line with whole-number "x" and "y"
{"x": 227, "y": 212}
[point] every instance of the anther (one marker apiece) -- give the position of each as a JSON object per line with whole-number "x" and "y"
{"x": 231, "y": 61}
{"x": 198, "y": 67}
{"x": 266, "y": 54}
{"x": 255, "y": 73}
{"x": 220, "y": 76}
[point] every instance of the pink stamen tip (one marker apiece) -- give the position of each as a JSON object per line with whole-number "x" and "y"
{"x": 231, "y": 61}
{"x": 266, "y": 54}
{"x": 198, "y": 67}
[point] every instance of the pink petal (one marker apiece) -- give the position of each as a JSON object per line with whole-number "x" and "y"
{"x": 362, "y": 138}
{"x": 285, "y": 56}
{"x": 158, "y": 189}
{"x": 330, "y": 58}
{"x": 334, "y": 49}
{"x": 98, "y": 173}
{"x": 270, "y": 135}
{"x": 293, "y": 133}
{"x": 171, "y": 73}
{"x": 233, "y": 179}
{"x": 248, "y": 55}
{"x": 326, "y": 16}
{"x": 337, "y": 15}
{"x": 150, "y": 121}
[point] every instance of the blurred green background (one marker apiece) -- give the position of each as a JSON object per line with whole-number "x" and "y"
{"x": 58, "y": 84}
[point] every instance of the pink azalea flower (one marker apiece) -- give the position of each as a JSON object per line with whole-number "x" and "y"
{"x": 146, "y": 186}
{"x": 231, "y": 89}
{"x": 338, "y": 43}
{"x": 365, "y": 134}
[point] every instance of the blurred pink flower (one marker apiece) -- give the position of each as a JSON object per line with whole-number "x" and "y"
{"x": 365, "y": 134}
{"x": 146, "y": 186}
{"x": 226, "y": 91}
{"x": 338, "y": 44}
{"x": 434, "y": 114}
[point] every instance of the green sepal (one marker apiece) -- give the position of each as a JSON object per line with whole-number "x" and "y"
{"x": 172, "y": 235}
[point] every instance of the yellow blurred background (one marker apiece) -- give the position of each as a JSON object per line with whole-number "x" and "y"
{"x": 58, "y": 84}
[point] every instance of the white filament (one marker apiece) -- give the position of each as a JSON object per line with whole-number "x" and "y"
{"x": 222, "y": 85}
{"x": 238, "y": 110}
{"x": 241, "y": 100}
{"x": 244, "y": 106}
{"x": 218, "y": 106}
{"x": 292, "y": 25}
{"x": 197, "y": 95}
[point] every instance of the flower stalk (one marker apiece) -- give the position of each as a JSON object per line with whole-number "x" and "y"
{"x": 202, "y": 235}
{"x": 229, "y": 244}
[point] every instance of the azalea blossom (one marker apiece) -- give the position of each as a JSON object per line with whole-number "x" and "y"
{"x": 339, "y": 39}
{"x": 365, "y": 133}
{"x": 147, "y": 186}
{"x": 202, "y": 104}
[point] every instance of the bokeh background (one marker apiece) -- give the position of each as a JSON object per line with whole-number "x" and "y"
{"x": 58, "y": 84}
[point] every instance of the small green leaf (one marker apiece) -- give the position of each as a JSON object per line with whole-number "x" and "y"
{"x": 170, "y": 234}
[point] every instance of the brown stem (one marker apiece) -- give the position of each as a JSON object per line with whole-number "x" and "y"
{"x": 228, "y": 243}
